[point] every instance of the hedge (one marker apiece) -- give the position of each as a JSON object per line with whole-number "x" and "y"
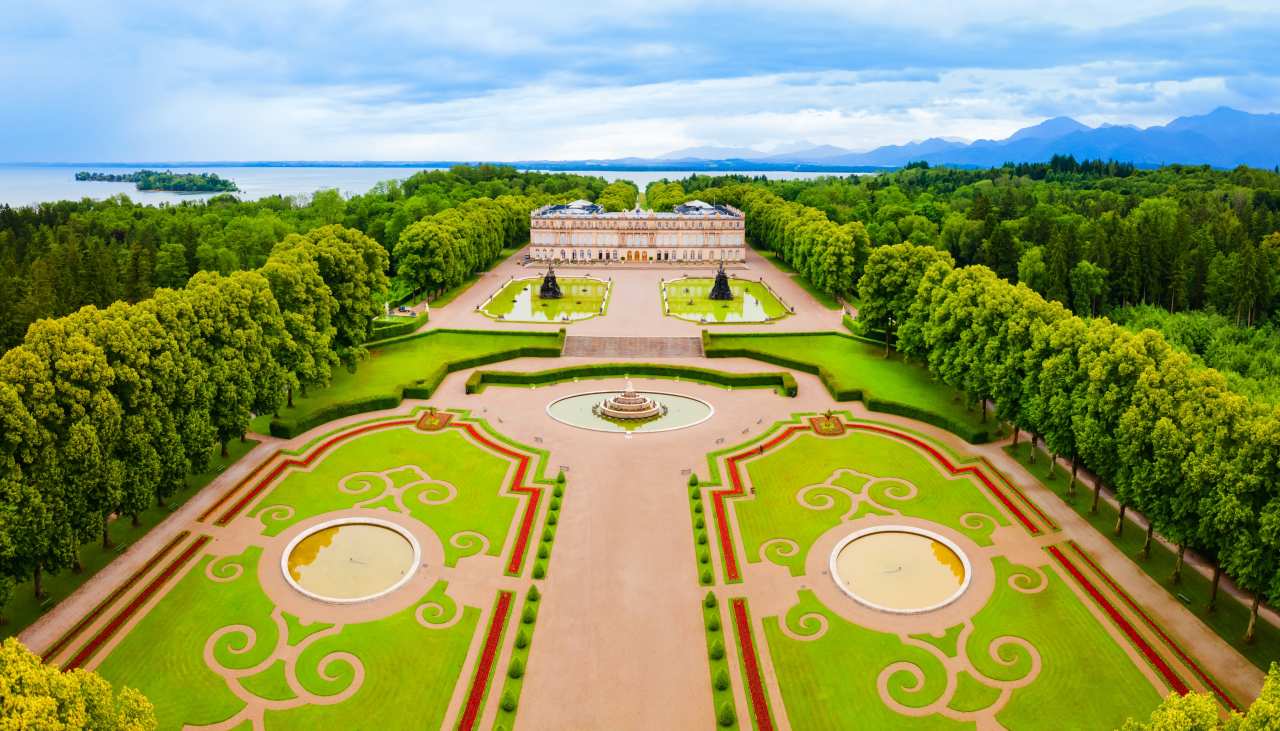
{"x": 778, "y": 380}
{"x": 973, "y": 436}
{"x": 421, "y": 388}
{"x": 384, "y": 330}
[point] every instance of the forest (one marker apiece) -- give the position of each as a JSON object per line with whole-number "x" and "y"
{"x": 167, "y": 180}
{"x": 60, "y": 256}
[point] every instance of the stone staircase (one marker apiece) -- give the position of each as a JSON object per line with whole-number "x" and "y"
{"x": 591, "y": 346}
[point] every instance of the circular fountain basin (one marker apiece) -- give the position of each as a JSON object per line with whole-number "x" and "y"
{"x": 681, "y": 412}
{"x": 900, "y": 569}
{"x": 350, "y": 560}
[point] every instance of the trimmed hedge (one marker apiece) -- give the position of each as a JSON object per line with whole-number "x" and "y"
{"x": 973, "y": 436}
{"x": 784, "y": 381}
{"x": 421, "y": 388}
{"x": 383, "y": 331}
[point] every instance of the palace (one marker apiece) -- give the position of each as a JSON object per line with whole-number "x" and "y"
{"x": 694, "y": 232}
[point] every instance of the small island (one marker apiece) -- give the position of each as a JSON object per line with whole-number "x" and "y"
{"x": 166, "y": 181}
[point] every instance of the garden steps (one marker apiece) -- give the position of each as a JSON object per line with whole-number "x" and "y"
{"x": 592, "y": 346}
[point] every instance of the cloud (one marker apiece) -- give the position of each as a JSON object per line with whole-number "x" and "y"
{"x": 339, "y": 79}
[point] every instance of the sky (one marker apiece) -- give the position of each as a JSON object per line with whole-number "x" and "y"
{"x": 157, "y": 80}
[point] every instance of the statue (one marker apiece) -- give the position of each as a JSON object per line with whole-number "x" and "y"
{"x": 550, "y": 287}
{"x": 720, "y": 290}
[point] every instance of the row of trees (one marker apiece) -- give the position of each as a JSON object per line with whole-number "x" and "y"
{"x": 106, "y": 411}
{"x": 441, "y": 251}
{"x": 1167, "y": 434}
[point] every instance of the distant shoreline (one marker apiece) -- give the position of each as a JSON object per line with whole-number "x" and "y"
{"x": 707, "y": 166}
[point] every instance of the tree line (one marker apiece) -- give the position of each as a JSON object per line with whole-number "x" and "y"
{"x": 59, "y": 256}
{"x": 167, "y": 180}
{"x": 105, "y": 412}
{"x": 1164, "y": 432}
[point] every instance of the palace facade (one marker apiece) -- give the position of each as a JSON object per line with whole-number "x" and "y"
{"x": 692, "y": 233}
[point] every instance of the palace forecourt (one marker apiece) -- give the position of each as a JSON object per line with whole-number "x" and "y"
{"x": 584, "y": 233}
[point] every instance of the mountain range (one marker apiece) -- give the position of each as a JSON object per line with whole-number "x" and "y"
{"x": 1222, "y": 138}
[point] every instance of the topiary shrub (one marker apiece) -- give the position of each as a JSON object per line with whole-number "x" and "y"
{"x": 560, "y": 480}
{"x": 713, "y": 623}
{"x": 706, "y": 576}
{"x": 709, "y": 601}
{"x": 694, "y": 492}
{"x": 552, "y": 519}
{"x": 516, "y": 670}
{"x": 539, "y": 571}
{"x": 704, "y": 557}
{"x": 717, "y": 650}
{"x": 534, "y": 594}
{"x": 699, "y": 523}
{"x": 508, "y": 701}
{"x": 722, "y": 680}
{"x": 726, "y": 717}
{"x": 548, "y": 534}
{"x": 559, "y": 491}
{"x": 543, "y": 551}
{"x": 697, "y": 508}
{"x": 522, "y": 639}
{"x": 555, "y": 503}
{"x": 528, "y": 615}
{"x": 702, "y": 538}
{"x": 693, "y": 480}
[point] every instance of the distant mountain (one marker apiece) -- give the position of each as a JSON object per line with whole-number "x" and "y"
{"x": 1223, "y": 138}
{"x": 711, "y": 152}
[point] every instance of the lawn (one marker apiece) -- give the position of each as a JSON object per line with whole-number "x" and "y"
{"x": 400, "y": 363}
{"x": 861, "y": 469}
{"x": 216, "y": 627}
{"x": 855, "y": 369}
{"x": 688, "y": 299}
{"x": 1229, "y": 619}
{"x": 518, "y": 301}
{"x": 829, "y": 667}
{"x": 444, "y": 456}
{"x": 410, "y": 670}
{"x": 24, "y": 608}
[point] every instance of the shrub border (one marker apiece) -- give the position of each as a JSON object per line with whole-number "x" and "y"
{"x": 717, "y": 696}
{"x": 778, "y": 380}
{"x": 516, "y": 685}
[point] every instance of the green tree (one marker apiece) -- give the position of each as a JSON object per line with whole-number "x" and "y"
{"x": 889, "y": 283}
{"x": 41, "y": 696}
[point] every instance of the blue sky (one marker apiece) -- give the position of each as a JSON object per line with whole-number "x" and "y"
{"x": 131, "y": 80}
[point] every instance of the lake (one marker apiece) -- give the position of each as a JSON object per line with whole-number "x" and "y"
{"x": 24, "y": 185}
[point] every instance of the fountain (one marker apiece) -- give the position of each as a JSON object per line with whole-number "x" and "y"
{"x": 629, "y": 405}
{"x": 720, "y": 290}
{"x": 550, "y": 287}
{"x": 900, "y": 569}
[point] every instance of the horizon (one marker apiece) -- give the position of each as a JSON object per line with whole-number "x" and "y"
{"x": 244, "y": 83}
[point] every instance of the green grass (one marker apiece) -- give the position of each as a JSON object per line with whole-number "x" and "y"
{"x": 449, "y": 295}
{"x": 831, "y": 682}
{"x": 855, "y": 369}
{"x": 410, "y": 671}
{"x": 447, "y": 455}
{"x": 391, "y": 367}
{"x": 779, "y": 475}
{"x": 23, "y": 608}
{"x": 688, "y": 299}
{"x": 518, "y": 301}
{"x": 1230, "y": 618}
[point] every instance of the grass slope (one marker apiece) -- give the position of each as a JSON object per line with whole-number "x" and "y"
{"x": 855, "y": 365}
{"x": 394, "y": 365}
